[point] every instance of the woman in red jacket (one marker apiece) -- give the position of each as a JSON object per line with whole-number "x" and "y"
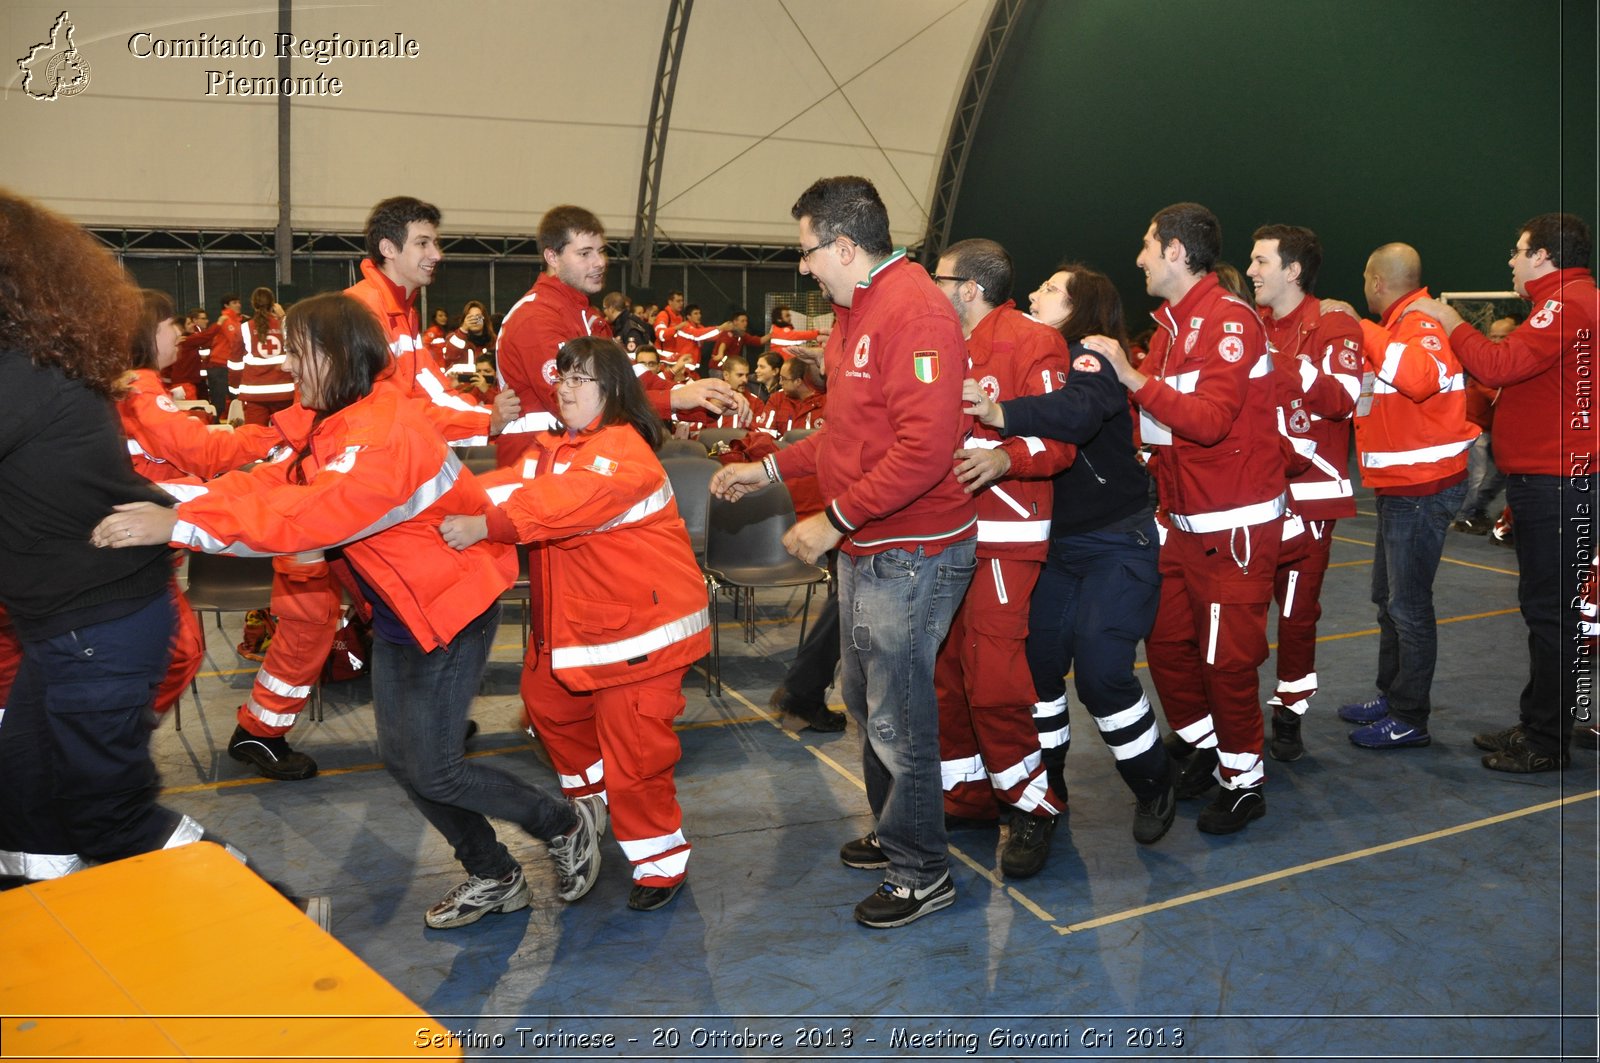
{"x": 625, "y": 605}
{"x": 366, "y": 471}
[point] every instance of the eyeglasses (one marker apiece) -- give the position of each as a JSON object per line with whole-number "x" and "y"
{"x": 575, "y": 380}
{"x": 807, "y": 252}
{"x": 937, "y": 277}
{"x": 1529, "y": 251}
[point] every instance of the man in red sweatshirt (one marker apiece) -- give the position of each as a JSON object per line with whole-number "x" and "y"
{"x": 1545, "y": 441}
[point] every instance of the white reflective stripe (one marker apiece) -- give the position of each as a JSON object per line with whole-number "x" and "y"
{"x": 974, "y": 443}
{"x": 569, "y": 782}
{"x": 498, "y": 495}
{"x": 1031, "y": 799}
{"x": 596, "y": 771}
{"x": 1201, "y": 734}
{"x": 1387, "y": 459}
{"x": 1014, "y": 531}
{"x": 1048, "y": 380}
{"x": 279, "y": 687}
{"x": 788, "y": 343}
{"x": 1034, "y": 444}
{"x": 1009, "y": 777}
{"x": 135, "y": 450}
{"x": 38, "y": 866}
{"x": 1298, "y": 686}
{"x": 1182, "y": 383}
{"x": 1321, "y": 489}
{"x": 1447, "y": 384}
{"x": 1211, "y": 639}
{"x": 425, "y": 495}
{"x": 1152, "y": 432}
{"x": 1016, "y": 507}
{"x": 1262, "y": 367}
{"x": 255, "y": 359}
{"x": 1240, "y": 517}
{"x": 450, "y": 400}
{"x": 185, "y": 832}
{"x": 639, "y": 849}
{"x": 1125, "y": 718}
{"x": 1055, "y": 739}
{"x": 963, "y": 769}
{"x": 183, "y": 492}
{"x": 673, "y": 631}
{"x": 1308, "y": 374}
{"x": 277, "y": 719}
{"x": 247, "y": 390}
{"x": 530, "y": 297}
{"x": 655, "y": 502}
{"x": 405, "y": 343}
{"x": 1043, "y": 710}
{"x": 455, "y": 341}
{"x": 538, "y": 421}
{"x": 1138, "y": 744}
{"x": 1247, "y": 767}
{"x": 1288, "y": 593}
{"x": 466, "y": 365}
{"x": 999, "y": 580}
{"x": 1351, "y": 384}
{"x": 239, "y": 365}
{"x": 1293, "y": 526}
{"x": 1392, "y": 356}
{"x": 672, "y": 866}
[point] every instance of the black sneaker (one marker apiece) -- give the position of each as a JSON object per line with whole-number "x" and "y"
{"x": 1495, "y": 741}
{"x": 1177, "y": 748}
{"x": 1028, "y": 845}
{"x": 1230, "y": 810}
{"x": 649, "y": 898}
{"x": 794, "y": 716}
{"x": 1286, "y": 744}
{"x": 1199, "y": 774}
{"x": 1520, "y": 759}
{"x": 863, "y": 853}
{"x": 1153, "y": 818}
{"x": 271, "y": 757}
{"x": 1473, "y": 525}
{"x": 892, "y": 905}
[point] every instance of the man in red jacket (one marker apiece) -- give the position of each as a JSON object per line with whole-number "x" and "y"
{"x": 903, "y": 525}
{"x": 1545, "y": 441}
{"x": 1207, "y": 405}
{"x": 1323, "y": 353}
{"x": 989, "y": 749}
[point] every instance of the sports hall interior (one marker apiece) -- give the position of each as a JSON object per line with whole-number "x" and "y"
{"x": 1406, "y": 904}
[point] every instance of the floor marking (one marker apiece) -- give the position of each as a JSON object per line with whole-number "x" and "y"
{"x": 1317, "y": 865}
{"x": 1446, "y": 560}
{"x": 1348, "y": 564}
{"x": 1446, "y": 620}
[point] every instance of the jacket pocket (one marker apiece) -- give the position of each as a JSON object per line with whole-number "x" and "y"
{"x": 596, "y": 616}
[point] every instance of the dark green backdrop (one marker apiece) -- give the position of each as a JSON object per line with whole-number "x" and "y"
{"x": 1442, "y": 123}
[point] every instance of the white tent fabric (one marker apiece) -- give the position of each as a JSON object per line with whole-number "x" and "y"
{"x": 508, "y": 108}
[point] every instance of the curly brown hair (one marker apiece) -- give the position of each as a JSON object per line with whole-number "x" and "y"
{"x": 64, "y": 300}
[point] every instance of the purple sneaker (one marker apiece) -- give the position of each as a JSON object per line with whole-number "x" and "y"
{"x": 1365, "y": 711}
{"x": 1389, "y": 733}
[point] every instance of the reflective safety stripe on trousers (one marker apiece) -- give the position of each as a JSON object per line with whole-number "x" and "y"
{"x": 665, "y": 856}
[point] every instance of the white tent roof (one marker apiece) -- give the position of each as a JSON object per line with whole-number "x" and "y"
{"x": 509, "y": 108}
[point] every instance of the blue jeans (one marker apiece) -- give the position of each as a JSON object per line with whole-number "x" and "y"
{"x": 899, "y": 605}
{"x": 76, "y": 778}
{"x": 421, "y": 702}
{"x": 1411, "y": 533}
{"x": 1555, "y": 525}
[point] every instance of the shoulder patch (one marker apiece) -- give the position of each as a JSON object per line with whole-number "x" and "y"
{"x": 1352, "y": 345}
{"x": 1086, "y": 363}
{"x": 604, "y": 466}
{"x": 925, "y": 364}
{"x": 1543, "y": 318}
{"x": 1347, "y": 359}
{"x": 164, "y": 402}
{"x": 1428, "y": 323}
{"x": 1231, "y": 348}
{"x": 1431, "y": 343}
{"x": 1234, "y": 327}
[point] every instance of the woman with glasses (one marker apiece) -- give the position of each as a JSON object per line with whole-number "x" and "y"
{"x": 365, "y": 470}
{"x": 624, "y": 601}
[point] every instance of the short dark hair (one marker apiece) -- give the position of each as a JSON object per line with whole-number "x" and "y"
{"x": 614, "y": 301}
{"x": 348, "y": 334}
{"x": 228, "y": 297}
{"x": 154, "y": 308}
{"x": 691, "y": 308}
{"x": 1096, "y": 306}
{"x": 773, "y": 359}
{"x": 194, "y": 312}
{"x": 1564, "y": 237}
{"x": 560, "y": 224}
{"x": 1296, "y": 244}
{"x": 846, "y": 206}
{"x": 625, "y": 401}
{"x": 777, "y": 312}
{"x": 985, "y": 262}
{"x": 391, "y": 218}
{"x": 1196, "y": 228}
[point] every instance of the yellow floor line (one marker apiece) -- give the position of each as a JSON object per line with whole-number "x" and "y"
{"x": 1446, "y": 560}
{"x": 1316, "y": 865}
{"x": 1348, "y": 564}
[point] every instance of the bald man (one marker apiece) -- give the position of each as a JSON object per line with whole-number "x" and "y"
{"x": 1412, "y": 439}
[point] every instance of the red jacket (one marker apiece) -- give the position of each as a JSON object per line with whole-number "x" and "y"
{"x": 463, "y": 422}
{"x": 264, "y": 379}
{"x": 1544, "y": 423}
{"x": 895, "y": 359}
{"x": 1011, "y": 354}
{"x": 783, "y": 414}
{"x": 456, "y": 353}
{"x": 185, "y": 370}
{"x": 785, "y": 339}
{"x": 167, "y": 444}
{"x": 534, "y": 329}
{"x": 668, "y": 342}
{"x": 1210, "y": 410}
{"x": 376, "y": 479}
{"x": 1323, "y": 352}
{"x": 1411, "y": 421}
{"x": 624, "y": 598}
{"x": 229, "y": 350}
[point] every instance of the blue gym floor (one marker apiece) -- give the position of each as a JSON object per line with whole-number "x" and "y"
{"x": 1401, "y": 904}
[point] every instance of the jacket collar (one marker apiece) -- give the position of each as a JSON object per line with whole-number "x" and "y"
{"x": 553, "y": 286}
{"x": 394, "y": 297}
{"x": 1547, "y": 286}
{"x": 1392, "y": 315}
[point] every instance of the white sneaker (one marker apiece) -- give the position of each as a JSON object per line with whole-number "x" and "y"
{"x": 476, "y": 898}
{"x": 577, "y": 854}
{"x": 602, "y": 817}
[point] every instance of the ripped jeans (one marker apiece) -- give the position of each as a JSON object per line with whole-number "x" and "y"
{"x": 895, "y": 609}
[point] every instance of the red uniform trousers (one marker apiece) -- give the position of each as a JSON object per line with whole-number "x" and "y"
{"x": 10, "y": 655}
{"x": 188, "y": 651}
{"x": 305, "y": 601}
{"x": 1302, "y": 564}
{"x": 1212, "y": 625}
{"x": 988, "y": 745}
{"x": 261, "y": 412}
{"x": 618, "y": 742}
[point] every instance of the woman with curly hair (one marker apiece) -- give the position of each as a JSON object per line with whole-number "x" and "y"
{"x": 77, "y": 783}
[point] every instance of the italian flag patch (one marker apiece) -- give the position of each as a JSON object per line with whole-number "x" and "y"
{"x": 926, "y": 365}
